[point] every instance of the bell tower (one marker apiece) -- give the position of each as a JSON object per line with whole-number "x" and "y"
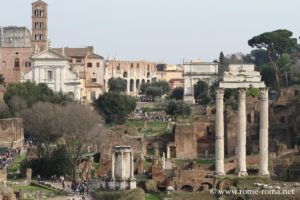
{"x": 39, "y": 37}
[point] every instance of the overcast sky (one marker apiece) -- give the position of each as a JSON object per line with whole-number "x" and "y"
{"x": 158, "y": 30}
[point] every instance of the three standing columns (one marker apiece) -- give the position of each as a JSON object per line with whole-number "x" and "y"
{"x": 241, "y": 133}
{"x": 219, "y": 146}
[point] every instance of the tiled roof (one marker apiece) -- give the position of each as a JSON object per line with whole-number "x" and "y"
{"x": 40, "y": 2}
{"x": 95, "y": 56}
{"x": 74, "y": 52}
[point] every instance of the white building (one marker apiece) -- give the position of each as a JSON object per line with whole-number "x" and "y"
{"x": 195, "y": 71}
{"x": 52, "y": 68}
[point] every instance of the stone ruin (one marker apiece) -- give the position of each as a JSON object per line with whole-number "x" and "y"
{"x": 242, "y": 77}
{"x": 122, "y": 171}
{"x": 11, "y": 133}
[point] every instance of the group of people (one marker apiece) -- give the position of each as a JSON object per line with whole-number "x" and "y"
{"x": 7, "y": 157}
{"x": 79, "y": 187}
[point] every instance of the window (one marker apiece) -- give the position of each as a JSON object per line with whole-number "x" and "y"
{"x": 148, "y": 67}
{"x": 138, "y": 65}
{"x": 92, "y": 95}
{"x": 118, "y": 66}
{"x": 93, "y": 80}
{"x": 125, "y": 75}
{"x": 27, "y": 64}
{"x": 17, "y": 62}
{"x": 78, "y": 60}
{"x": 148, "y": 74}
{"x": 98, "y": 64}
{"x": 49, "y": 75}
{"x": 89, "y": 64}
{"x": 131, "y": 65}
{"x": 4, "y": 64}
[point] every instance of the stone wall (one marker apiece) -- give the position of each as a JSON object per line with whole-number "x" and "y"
{"x": 11, "y": 69}
{"x": 3, "y": 175}
{"x": 185, "y": 142}
{"x": 11, "y": 133}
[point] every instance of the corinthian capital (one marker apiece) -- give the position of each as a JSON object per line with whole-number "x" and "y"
{"x": 219, "y": 93}
{"x": 242, "y": 93}
{"x": 263, "y": 93}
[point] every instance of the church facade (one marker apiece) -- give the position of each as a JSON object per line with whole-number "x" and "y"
{"x": 52, "y": 68}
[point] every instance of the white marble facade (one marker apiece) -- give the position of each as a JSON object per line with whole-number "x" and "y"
{"x": 52, "y": 68}
{"x": 195, "y": 71}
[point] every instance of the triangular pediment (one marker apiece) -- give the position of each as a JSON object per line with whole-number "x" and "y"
{"x": 49, "y": 54}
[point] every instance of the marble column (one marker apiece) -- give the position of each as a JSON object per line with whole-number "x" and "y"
{"x": 113, "y": 166}
{"x": 241, "y": 134}
{"x": 168, "y": 152}
{"x": 122, "y": 165}
{"x": 128, "y": 86}
{"x": 131, "y": 166}
{"x": 134, "y": 87}
{"x": 219, "y": 145}
{"x": 263, "y": 133}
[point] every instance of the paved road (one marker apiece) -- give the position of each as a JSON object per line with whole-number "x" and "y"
{"x": 70, "y": 195}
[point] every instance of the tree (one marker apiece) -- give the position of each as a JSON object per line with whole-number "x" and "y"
{"x": 31, "y": 93}
{"x": 177, "y": 93}
{"x": 144, "y": 87}
{"x": 276, "y": 43}
{"x": 75, "y": 125}
{"x": 267, "y": 75}
{"x": 201, "y": 92}
{"x": 177, "y": 108}
{"x": 285, "y": 63}
{"x": 43, "y": 123}
{"x": 115, "y": 107}
{"x": 163, "y": 85}
{"x": 154, "y": 91}
{"x": 117, "y": 85}
{"x": 258, "y": 57}
{"x": 81, "y": 127}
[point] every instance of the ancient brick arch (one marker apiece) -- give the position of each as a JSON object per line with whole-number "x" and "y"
{"x": 205, "y": 186}
{"x": 187, "y": 188}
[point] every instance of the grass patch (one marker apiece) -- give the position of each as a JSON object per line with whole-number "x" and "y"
{"x": 16, "y": 165}
{"x": 150, "y": 128}
{"x": 30, "y": 188}
{"x": 152, "y": 196}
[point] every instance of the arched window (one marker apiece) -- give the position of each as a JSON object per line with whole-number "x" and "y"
{"x": 125, "y": 75}
{"x": 148, "y": 74}
{"x": 17, "y": 62}
{"x": 118, "y": 66}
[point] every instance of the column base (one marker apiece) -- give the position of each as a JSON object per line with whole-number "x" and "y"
{"x": 112, "y": 185}
{"x": 132, "y": 184}
{"x": 263, "y": 173}
{"x": 122, "y": 185}
{"x": 242, "y": 173}
{"x": 219, "y": 173}
{"x": 189, "y": 99}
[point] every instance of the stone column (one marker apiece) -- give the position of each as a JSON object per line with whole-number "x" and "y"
{"x": 131, "y": 166}
{"x": 263, "y": 133}
{"x": 168, "y": 152}
{"x": 219, "y": 145}
{"x": 134, "y": 86}
{"x": 113, "y": 166}
{"x": 241, "y": 137}
{"x": 122, "y": 165}
{"x": 128, "y": 87}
